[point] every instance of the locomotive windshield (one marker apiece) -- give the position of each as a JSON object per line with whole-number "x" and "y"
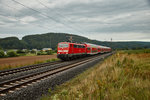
{"x": 63, "y": 45}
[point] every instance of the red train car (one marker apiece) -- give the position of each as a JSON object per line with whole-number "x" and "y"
{"x": 69, "y": 51}
{"x": 91, "y": 49}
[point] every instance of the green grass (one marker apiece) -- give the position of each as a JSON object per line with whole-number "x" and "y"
{"x": 122, "y": 76}
{"x": 5, "y": 67}
{"x": 137, "y": 51}
{"x": 30, "y": 54}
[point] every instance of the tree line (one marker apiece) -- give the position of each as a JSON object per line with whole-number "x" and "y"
{"x": 50, "y": 40}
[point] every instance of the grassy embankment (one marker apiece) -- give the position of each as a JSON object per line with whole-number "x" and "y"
{"x": 4, "y": 67}
{"x": 123, "y": 76}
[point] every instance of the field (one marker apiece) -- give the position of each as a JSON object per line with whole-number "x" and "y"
{"x": 123, "y": 76}
{"x": 7, "y": 63}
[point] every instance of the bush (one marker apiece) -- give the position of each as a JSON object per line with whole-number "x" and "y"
{"x": 49, "y": 52}
{"x": 20, "y": 51}
{"x": 11, "y": 54}
{"x": 42, "y": 53}
{"x": 2, "y": 54}
{"x": 33, "y": 51}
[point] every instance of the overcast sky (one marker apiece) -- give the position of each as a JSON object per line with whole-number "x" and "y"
{"x": 121, "y": 20}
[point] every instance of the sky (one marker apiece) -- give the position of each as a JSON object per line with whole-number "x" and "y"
{"x": 121, "y": 20}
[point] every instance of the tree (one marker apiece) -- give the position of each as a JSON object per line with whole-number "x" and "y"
{"x": 11, "y": 54}
{"x": 2, "y": 54}
{"x": 1, "y": 48}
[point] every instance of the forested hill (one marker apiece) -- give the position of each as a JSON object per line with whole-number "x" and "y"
{"x": 51, "y": 39}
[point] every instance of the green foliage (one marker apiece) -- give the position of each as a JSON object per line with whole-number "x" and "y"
{"x": 1, "y": 48}
{"x": 21, "y": 52}
{"x": 12, "y": 43}
{"x": 2, "y": 54}
{"x": 52, "y": 60}
{"x": 138, "y": 51}
{"x": 33, "y": 51}
{"x": 50, "y": 40}
{"x": 42, "y": 53}
{"x": 49, "y": 52}
{"x": 11, "y": 53}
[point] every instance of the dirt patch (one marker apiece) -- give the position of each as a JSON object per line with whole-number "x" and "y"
{"x": 24, "y": 60}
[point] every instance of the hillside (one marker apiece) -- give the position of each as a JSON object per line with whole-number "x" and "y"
{"x": 40, "y": 41}
{"x": 12, "y": 43}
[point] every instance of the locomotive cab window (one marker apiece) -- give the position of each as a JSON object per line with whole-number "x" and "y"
{"x": 63, "y": 45}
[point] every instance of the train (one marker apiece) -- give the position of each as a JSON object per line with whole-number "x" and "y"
{"x": 69, "y": 51}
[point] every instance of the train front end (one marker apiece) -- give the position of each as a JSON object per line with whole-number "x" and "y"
{"x": 63, "y": 50}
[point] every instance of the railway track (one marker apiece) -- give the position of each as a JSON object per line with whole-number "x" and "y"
{"x": 22, "y": 82}
{"x": 26, "y": 68}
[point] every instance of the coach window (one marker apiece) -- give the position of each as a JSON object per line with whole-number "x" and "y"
{"x": 88, "y": 48}
{"x": 75, "y": 46}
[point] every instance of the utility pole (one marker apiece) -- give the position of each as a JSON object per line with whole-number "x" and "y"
{"x": 111, "y": 39}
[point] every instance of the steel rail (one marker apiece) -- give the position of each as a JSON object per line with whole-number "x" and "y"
{"x": 26, "y": 68}
{"x": 11, "y": 85}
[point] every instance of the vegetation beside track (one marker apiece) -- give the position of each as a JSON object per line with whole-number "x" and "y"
{"x": 125, "y": 76}
{"x": 4, "y": 67}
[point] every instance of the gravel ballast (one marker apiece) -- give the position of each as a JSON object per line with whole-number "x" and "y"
{"x": 35, "y": 91}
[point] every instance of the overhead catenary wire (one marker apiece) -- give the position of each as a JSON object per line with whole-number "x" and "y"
{"x": 43, "y": 14}
{"x": 58, "y": 13}
{"x": 23, "y": 21}
{"x": 19, "y": 20}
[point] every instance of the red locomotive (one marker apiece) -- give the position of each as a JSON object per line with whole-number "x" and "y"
{"x": 69, "y": 51}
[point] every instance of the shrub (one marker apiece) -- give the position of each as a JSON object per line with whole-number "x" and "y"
{"x": 20, "y": 51}
{"x": 33, "y": 51}
{"x": 2, "y": 54}
{"x": 49, "y": 52}
{"x": 39, "y": 53}
{"x": 42, "y": 53}
{"x": 11, "y": 54}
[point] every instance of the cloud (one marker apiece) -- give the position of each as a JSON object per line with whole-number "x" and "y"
{"x": 28, "y": 19}
{"x": 109, "y": 18}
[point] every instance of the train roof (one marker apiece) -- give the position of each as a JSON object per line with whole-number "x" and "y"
{"x": 88, "y": 45}
{"x": 72, "y": 43}
{"x": 94, "y": 45}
